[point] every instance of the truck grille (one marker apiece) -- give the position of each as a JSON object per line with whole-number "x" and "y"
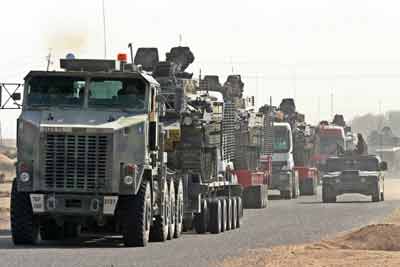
{"x": 75, "y": 162}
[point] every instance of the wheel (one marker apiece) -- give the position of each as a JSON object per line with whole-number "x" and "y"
{"x": 224, "y": 219}
{"x": 200, "y": 221}
{"x": 179, "y": 208}
{"x": 49, "y": 230}
{"x": 286, "y": 194}
{"x": 326, "y": 197}
{"x": 382, "y": 196}
{"x": 229, "y": 214}
{"x": 238, "y": 211}
{"x": 160, "y": 228}
{"x": 296, "y": 188}
{"x": 24, "y": 224}
{"x": 215, "y": 216}
{"x": 71, "y": 230}
{"x": 234, "y": 213}
{"x": 240, "y": 205}
{"x": 136, "y": 217}
{"x": 172, "y": 213}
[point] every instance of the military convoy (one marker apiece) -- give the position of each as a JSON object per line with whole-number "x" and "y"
{"x": 144, "y": 150}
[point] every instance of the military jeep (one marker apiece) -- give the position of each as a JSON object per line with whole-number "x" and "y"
{"x": 354, "y": 174}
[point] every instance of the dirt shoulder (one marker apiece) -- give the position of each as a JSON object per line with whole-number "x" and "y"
{"x": 374, "y": 245}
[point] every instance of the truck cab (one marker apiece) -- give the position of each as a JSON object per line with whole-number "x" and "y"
{"x": 283, "y": 175}
{"x": 88, "y": 154}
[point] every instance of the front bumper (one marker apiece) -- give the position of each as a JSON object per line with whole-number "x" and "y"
{"x": 281, "y": 181}
{"x": 365, "y": 186}
{"x": 73, "y": 204}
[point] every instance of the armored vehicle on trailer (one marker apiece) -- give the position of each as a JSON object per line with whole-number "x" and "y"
{"x": 94, "y": 146}
{"x": 354, "y": 174}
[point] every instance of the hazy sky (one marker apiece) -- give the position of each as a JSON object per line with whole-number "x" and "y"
{"x": 308, "y": 49}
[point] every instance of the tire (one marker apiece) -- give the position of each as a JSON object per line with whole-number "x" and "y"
{"x": 382, "y": 196}
{"x": 234, "y": 213}
{"x": 238, "y": 211}
{"x": 200, "y": 221}
{"x": 240, "y": 205}
{"x": 49, "y": 230}
{"x": 179, "y": 208}
{"x": 71, "y": 230}
{"x": 229, "y": 214}
{"x": 159, "y": 230}
{"x": 286, "y": 194}
{"x": 326, "y": 197}
{"x": 24, "y": 224}
{"x": 296, "y": 188}
{"x": 215, "y": 216}
{"x": 224, "y": 219}
{"x": 136, "y": 217}
{"x": 172, "y": 213}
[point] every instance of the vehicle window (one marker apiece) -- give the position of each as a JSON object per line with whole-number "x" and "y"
{"x": 334, "y": 165}
{"x": 118, "y": 93}
{"x": 55, "y": 91}
{"x": 281, "y": 139}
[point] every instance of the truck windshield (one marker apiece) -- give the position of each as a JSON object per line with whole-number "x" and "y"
{"x": 328, "y": 144}
{"x": 281, "y": 139}
{"x": 341, "y": 164}
{"x": 56, "y": 91}
{"x": 123, "y": 93}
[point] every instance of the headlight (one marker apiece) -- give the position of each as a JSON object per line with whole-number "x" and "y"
{"x": 128, "y": 180}
{"x": 363, "y": 180}
{"x": 187, "y": 121}
{"x": 337, "y": 180}
{"x": 24, "y": 177}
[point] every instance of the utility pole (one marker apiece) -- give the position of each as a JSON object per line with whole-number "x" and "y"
{"x": 104, "y": 30}
{"x": 331, "y": 105}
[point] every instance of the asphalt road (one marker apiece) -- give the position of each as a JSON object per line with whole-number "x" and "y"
{"x": 283, "y": 222}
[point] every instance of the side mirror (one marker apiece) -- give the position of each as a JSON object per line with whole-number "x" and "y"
{"x": 16, "y": 96}
{"x": 383, "y": 166}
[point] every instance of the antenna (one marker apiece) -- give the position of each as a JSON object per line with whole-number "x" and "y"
{"x": 131, "y": 50}
{"x": 104, "y": 30}
{"x": 331, "y": 104}
{"x": 49, "y": 62}
{"x": 180, "y": 39}
{"x": 1, "y": 135}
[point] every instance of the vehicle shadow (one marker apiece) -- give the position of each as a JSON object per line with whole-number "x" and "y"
{"x": 82, "y": 242}
{"x": 337, "y": 202}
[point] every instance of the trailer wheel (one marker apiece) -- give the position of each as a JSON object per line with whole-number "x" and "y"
{"x": 215, "y": 216}
{"x": 326, "y": 197}
{"x": 201, "y": 219}
{"x": 224, "y": 218}
{"x": 24, "y": 225}
{"x": 159, "y": 230}
{"x": 229, "y": 214}
{"x": 234, "y": 213}
{"x": 286, "y": 194}
{"x": 179, "y": 208}
{"x": 238, "y": 204}
{"x": 136, "y": 212}
{"x": 172, "y": 213}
